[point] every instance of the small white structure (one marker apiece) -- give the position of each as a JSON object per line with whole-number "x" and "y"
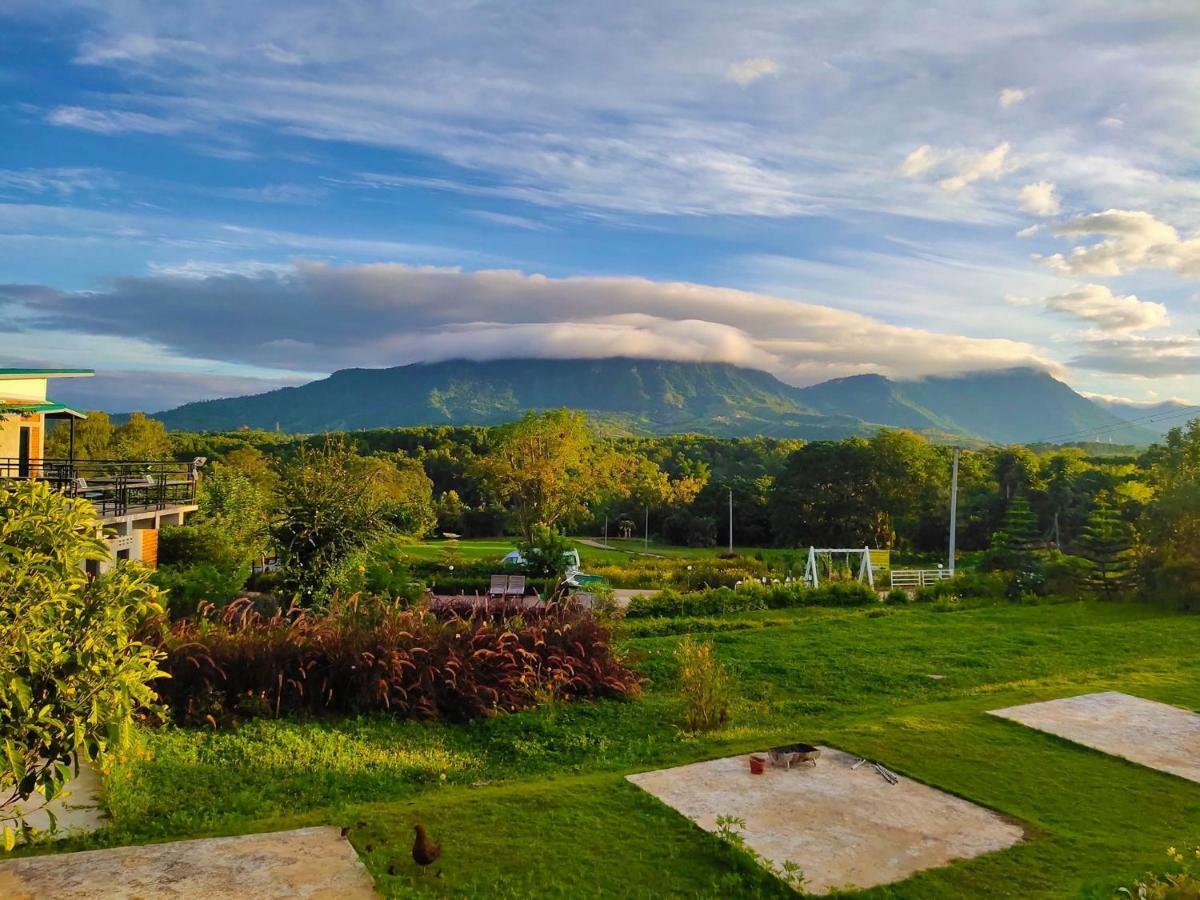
{"x": 865, "y": 573}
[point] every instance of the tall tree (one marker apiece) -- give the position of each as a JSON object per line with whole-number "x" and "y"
{"x": 545, "y": 468}
{"x": 1014, "y": 545}
{"x": 141, "y": 438}
{"x": 827, "y": 496}
{"x": 403, "y": 491}
{"x": 93, "y": 438}
{"x": 1107, "y": 543}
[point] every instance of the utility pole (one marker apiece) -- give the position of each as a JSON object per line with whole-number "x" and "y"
{"x": 731, "y": 521}
{"x": 953, "y": 509}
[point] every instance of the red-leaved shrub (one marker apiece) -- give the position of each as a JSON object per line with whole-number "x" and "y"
{"x": 364, "y": 655}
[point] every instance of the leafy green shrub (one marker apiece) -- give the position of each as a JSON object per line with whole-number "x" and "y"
{"x": 545, "y": 553}
{"x": 1176, "y": 583}
{"x": 1065, "y": 575}
{"x": 973, "y": 585}
{"x": 648, "y": 572}
{"x": 187, "y": 587}
{"x": 380, "y": 570}
{"x": 1181, "y": 884}
{"x": 841, "y": 593}
{"x": 704, "y": 685}
{"x": 364, "y": 655}
{"x": 330, "y": 508}
{"x": 183, "y": 545}
{"x": 896, "y": 597}
{"x": 72, "y": 673}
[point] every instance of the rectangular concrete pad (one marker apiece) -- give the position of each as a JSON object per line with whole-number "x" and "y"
{"x": 1151, "y": 734}
{"x": 310, "y": 863}
{"x": 844, "y": 827}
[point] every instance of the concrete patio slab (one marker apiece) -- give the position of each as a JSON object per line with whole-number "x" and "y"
{"x": 76, "y": 810}
{"x": 843, "y": 826}
{"x": 309, "y": 863}
{"x": 1151, "y": 734}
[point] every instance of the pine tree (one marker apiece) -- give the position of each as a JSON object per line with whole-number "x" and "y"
{"x": 1014, "y": 548}
{"x": 1014, "y": 544}
{"x": 1107, "y": 544}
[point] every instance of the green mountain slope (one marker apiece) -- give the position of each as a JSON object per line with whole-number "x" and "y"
{"x": 635, "y": 395}
{"x": 1009, "y": 406}
{"x": 657, "y": 396}
{"x": 1156, "y": 417}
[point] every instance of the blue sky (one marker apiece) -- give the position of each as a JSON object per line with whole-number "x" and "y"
{"x": 215, "y": 198}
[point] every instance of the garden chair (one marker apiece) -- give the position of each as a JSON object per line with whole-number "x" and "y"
{"x": 516, "y": 585}
{"x": 499, "y": 586}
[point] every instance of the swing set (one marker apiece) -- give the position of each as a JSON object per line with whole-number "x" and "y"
{"x": 812, "y": 577}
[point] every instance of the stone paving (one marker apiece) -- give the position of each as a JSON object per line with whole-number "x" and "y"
{"x": 843, "y": 826}
{"x": 1151, "y": 734}
{"x": 306, "y": 864}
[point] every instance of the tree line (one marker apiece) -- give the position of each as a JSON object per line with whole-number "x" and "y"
{"x": 890, "y": 490}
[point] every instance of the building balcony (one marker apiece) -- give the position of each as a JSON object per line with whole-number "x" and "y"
{"x": 114, "y": 487}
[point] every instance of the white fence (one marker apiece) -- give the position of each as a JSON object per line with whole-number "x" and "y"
{"x": 911, "y": 579}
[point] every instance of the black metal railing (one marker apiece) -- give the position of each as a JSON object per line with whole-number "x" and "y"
{"x": 114, "y": 487}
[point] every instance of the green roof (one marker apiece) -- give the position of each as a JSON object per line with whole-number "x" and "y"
{"x": 46, "y": 373}
{"x": 26, "y": 407}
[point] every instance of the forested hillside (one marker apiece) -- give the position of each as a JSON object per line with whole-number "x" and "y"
{"x": 635, "y": 396}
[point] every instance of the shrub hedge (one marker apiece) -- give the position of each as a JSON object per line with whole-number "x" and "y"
{"x": 717, "y": 601}
{"x": 969, "y": 585}
{"x": 367, "y": 655}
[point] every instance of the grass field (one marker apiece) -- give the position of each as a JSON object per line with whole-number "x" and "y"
{"x": 535, "y": 804}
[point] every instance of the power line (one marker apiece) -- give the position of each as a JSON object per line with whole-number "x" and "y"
{"x": 1143, "y": 420}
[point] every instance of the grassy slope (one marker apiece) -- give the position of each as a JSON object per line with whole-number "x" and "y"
{"x": 535, "y": 803}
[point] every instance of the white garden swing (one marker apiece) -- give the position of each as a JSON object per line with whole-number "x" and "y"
{"x": 865, "y": 574}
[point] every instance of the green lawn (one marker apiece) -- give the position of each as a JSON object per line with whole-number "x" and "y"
{"x": 535, "y": 804}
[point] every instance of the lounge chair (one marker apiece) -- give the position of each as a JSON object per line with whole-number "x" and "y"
{"x": 499, "y": 587}
{"x": 516, "y": 586}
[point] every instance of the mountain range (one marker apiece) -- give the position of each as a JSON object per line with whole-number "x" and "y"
{"x": 640, "y": 396}
{"x": 1156, "y": 417}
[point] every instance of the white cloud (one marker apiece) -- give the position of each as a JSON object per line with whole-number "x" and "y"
{"x": 960, "y": 168}
{"x": 1112, "y": 122}
{"x": 62, "y": 182}
{"x": 1011, "y": 96}
{"x": 113, "y": 121}
{"x": 1130, "y": 240}
{"x": 1108, "y": 312}
{"x": 128, "y": 48}
{"x": 617, "y": 112}
{"x": 920, "y": 161}
{"x": 751, "y": 70}
{"x": 1146, "y": 357}
{"x": 387, "y": 314}
{"x": 1040, "y": 199}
